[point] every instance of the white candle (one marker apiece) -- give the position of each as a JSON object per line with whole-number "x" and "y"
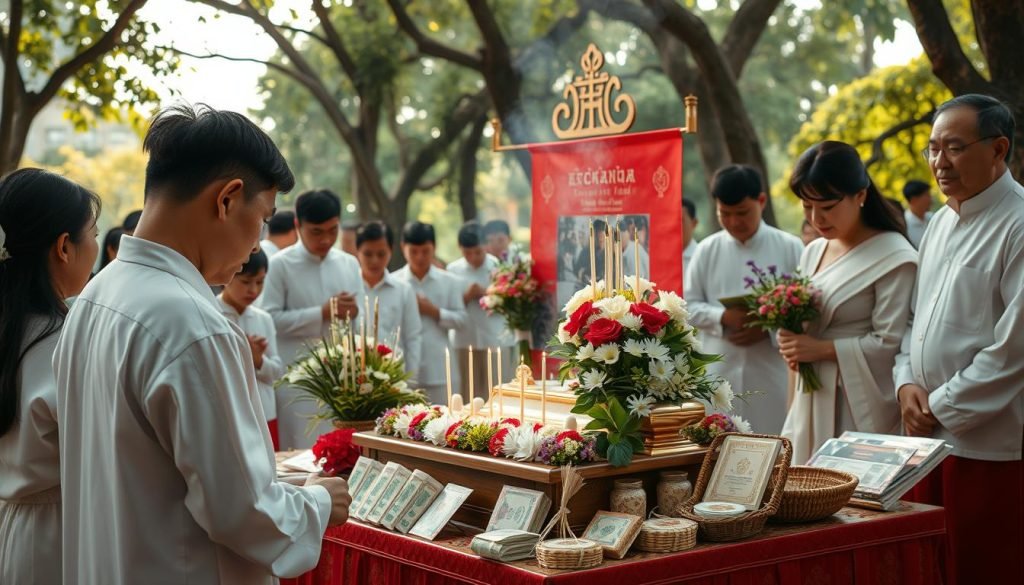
{"x": 457, "y": 404}
{"x": 636, "y": 262}
{"x": 544, "y": 387}
{"x": 472, "y": 384}
{"x": 570, "y": 423}
{"x": 448, "y": 375}
{"x": 593, "y": 264}
{"x": 522, "y": 394}
{"x": 478, "y": 405}
{"x": 490, "y": 385}
{"x": 501, "y": 395}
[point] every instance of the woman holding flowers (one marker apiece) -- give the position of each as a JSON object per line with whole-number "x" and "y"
{"x": 864, "y": 267}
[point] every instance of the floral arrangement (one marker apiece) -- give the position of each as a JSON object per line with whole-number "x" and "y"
{"x": 507, "y": 437}
{"x": 784, "y": 301}
{"x": 351, "y": 377}
{"x": 705, "y": 431}
{"x": 516, "y": 295}
{"x": 335, "y": 452}
{"x": 632, "y": 348}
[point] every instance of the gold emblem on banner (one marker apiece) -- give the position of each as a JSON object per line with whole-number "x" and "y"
{"x": 547, "y": 188}
{"x": 661, "y": 178}
{"x": 589, "y": 106}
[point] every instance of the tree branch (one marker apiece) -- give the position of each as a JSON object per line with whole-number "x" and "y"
{"x": 336, "y": 45}
{"x": 429, "y": 46}
{"x": 949, "y": 63}
{"x": 104, "y": 45}
{"x": 745, "y": 30}
{"x": 293, "y": 74}
{"x": 877, "y": 154}
{"x": 303, "y": 31}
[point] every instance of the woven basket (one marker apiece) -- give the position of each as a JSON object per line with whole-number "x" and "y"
{"x": 750, "y": 523}
{"x": 812, "y": 493}
{"x": 585, "y": 554}
{"x": 666, "y": 535}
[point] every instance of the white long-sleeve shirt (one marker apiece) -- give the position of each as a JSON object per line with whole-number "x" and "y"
{"x": 166, "y": 463}
{"x": 916, "y": 226}
{"x": 717, "y": 271}
{"x": 445, "y": 291}
{"x": 481, "y": 330}
{"x": 966, "y": 345}
{"x": 256, "y": 321}
{"x": 397, "y": 307}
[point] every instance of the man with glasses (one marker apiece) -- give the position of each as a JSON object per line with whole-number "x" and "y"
{"x": 960, "y": 373}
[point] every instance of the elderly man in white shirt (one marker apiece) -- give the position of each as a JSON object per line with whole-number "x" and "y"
{"x": 300, "y": 283}
{"x": 439, "y": 297}
{"x": 167, "y": 471}
{"x": 398, "y": 311}
{"x": 960, "y": 374}
{"x": 752, "y": 363}
{"x": 918, "y": 213}
{"x": 482, "y": 331}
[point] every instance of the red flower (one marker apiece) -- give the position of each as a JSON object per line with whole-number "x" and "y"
{"x": 497, "y": 442}
{"x": 603, "y": 331}
{"x": 579, "y": 318}
{"x": 652, "y": 318}
{"x": 510, "y": 421}
{"x": 451, "y": 436}
{"x": 575, "y": 436}
{"x": 416, "y": 420}
{"x": 337, "y": 451}
{"x": 383, "y": 350}
{"x": 537, "y": 427}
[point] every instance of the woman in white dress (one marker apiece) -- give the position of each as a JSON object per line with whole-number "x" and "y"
{"x": 864, "y": 267}
{"x": 47, "y": 248}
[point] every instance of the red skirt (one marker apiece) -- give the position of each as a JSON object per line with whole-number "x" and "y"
{"x": 984, "y": 503}
{"x": 272, "y": 425}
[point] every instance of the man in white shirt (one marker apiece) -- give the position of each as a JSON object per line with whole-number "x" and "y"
{"x": 481, "y": 331}
{"x": 439, "y": 296}
{"x": 498, "y": 238}
{"x": 398, "y": 311}
{"x": 960, "y": 374}
{"x": 690, "y": 222}
{"x": 167, "y": 472}
{"x": 918, "y": 213}
{"x": 281, "y": 233}
{"x": 300, "y": 284}
{"x": 236, "y": 303}
{"x": 751, "y": 363}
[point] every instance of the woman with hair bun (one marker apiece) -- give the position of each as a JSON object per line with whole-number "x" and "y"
{"x": 47, "y": 250}
{"x": 864, "y": 266}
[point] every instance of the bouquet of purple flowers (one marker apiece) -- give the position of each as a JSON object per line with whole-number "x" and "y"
{"x": 784, "y": 301}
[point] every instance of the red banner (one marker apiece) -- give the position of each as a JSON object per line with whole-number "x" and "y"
{"x": 633, "y": 179}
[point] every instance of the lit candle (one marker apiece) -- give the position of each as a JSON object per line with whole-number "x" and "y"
{"x": 448, "y": 375}
{"x": 376, "y": 318}
{"x": 608, "y": 282}
{"x": 490, "y": 385}
{"x": 544, "y": 388}
{"x": 618, "y": 256}
{"x": 636, "y": 261}
{"x": 593, "y": 269}
{"x": 472, "y": 385}
{"x": 501, "y": 396}
{"x": 366, "y": 317}
{"x": 522, "y": 393}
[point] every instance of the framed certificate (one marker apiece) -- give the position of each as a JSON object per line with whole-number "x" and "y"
{"x": 742, "y": 471}
{"x": 615, "y": 532}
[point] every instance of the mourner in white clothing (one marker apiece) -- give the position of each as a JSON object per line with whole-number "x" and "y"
{"x": 481, "y": 330}
{"x": 918, "y": 213}
{"x": 398, "y": 311}
{"x": 167, "y": 470}
{"x": 752, "y": 364}
{"x": 690, "y": 223}
{"x": 960, "y": 372}
{"x": 236, "y": 303}
{"x": 300, "y": 283}
{"x": 47, "y": 250}
{"x": 439, "y": 297}
{"x": 864, "y": 267}
{"x": 281, "y": 233}
{"x": 498, "y": 239}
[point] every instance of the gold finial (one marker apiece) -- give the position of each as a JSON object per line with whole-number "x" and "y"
{"x": 589, "y": 105}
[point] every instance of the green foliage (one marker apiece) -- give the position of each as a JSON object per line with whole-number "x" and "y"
{"x": 619, "y": 432}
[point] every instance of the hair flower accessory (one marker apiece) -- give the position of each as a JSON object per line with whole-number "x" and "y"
{"x": 4, "y": 254}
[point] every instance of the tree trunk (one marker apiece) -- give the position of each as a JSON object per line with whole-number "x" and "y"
{"x": 467, "y": 169}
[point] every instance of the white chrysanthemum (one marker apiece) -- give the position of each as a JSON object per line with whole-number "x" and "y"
{"x": 741, "y": 425}
{"x": 681, "y": 364}
{"x": 693, "y": 340}
{"x": 379, "y": 375}
{"x": 402, "y": 424}
{"x": 403, "y": 386}
{"x": 527, "y": 443}
{"x": 631, "y": 322}
{"x": 661, "y": 369}
{"x": 674, "y": 305}
{"x": 607, "y": 353}
{"x": 655, "y": 349}
{"x": 722, "y": 397}
{"x": 593, "y": 379}
{"x": 434, "y": 430}
{"x": 645, "y": 285}
{"x": 365, "y": 388}
{"x": 633, "y": 347}
{"x": 613, "y": 308}
{"x": 511, "y": 443}
{"x": 640, "y": 405}
{"x": 583, "y": 295}
{"x": 585, "y": 352}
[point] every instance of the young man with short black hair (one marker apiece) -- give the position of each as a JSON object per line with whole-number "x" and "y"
{"x": 167, "y": 469}
{"x": 300, "y": 284}
{"x": 439, "y": 297}
{"x": 281, "y": 233}
{"x": 717, "y": 271}
{"x": 918, "y": 213}
{"x": 497, "y": 238}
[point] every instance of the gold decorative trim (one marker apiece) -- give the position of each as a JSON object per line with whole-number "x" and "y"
{"x": 589, "y": 106}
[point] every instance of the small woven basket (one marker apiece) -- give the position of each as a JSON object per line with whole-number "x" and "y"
{"x": 813, "y": 493}
{"x": 750, "y": 523}
{"x": 666, "y": 535}
{"x": 569, "y": 553}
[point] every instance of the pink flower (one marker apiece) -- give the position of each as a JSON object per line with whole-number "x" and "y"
{"x": 763, "y": 310}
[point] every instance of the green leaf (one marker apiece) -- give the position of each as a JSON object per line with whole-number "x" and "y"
{"x": 636, "y": 442}
{"x": 602, "y": 444}
{"x": 594, "y": 425}
{"x": 600, "y": 413}
{"x": 620, "y": 454}
{"x": 618, "y": 414}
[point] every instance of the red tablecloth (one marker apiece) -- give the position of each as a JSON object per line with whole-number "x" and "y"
{"x": 855, "y": 546}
